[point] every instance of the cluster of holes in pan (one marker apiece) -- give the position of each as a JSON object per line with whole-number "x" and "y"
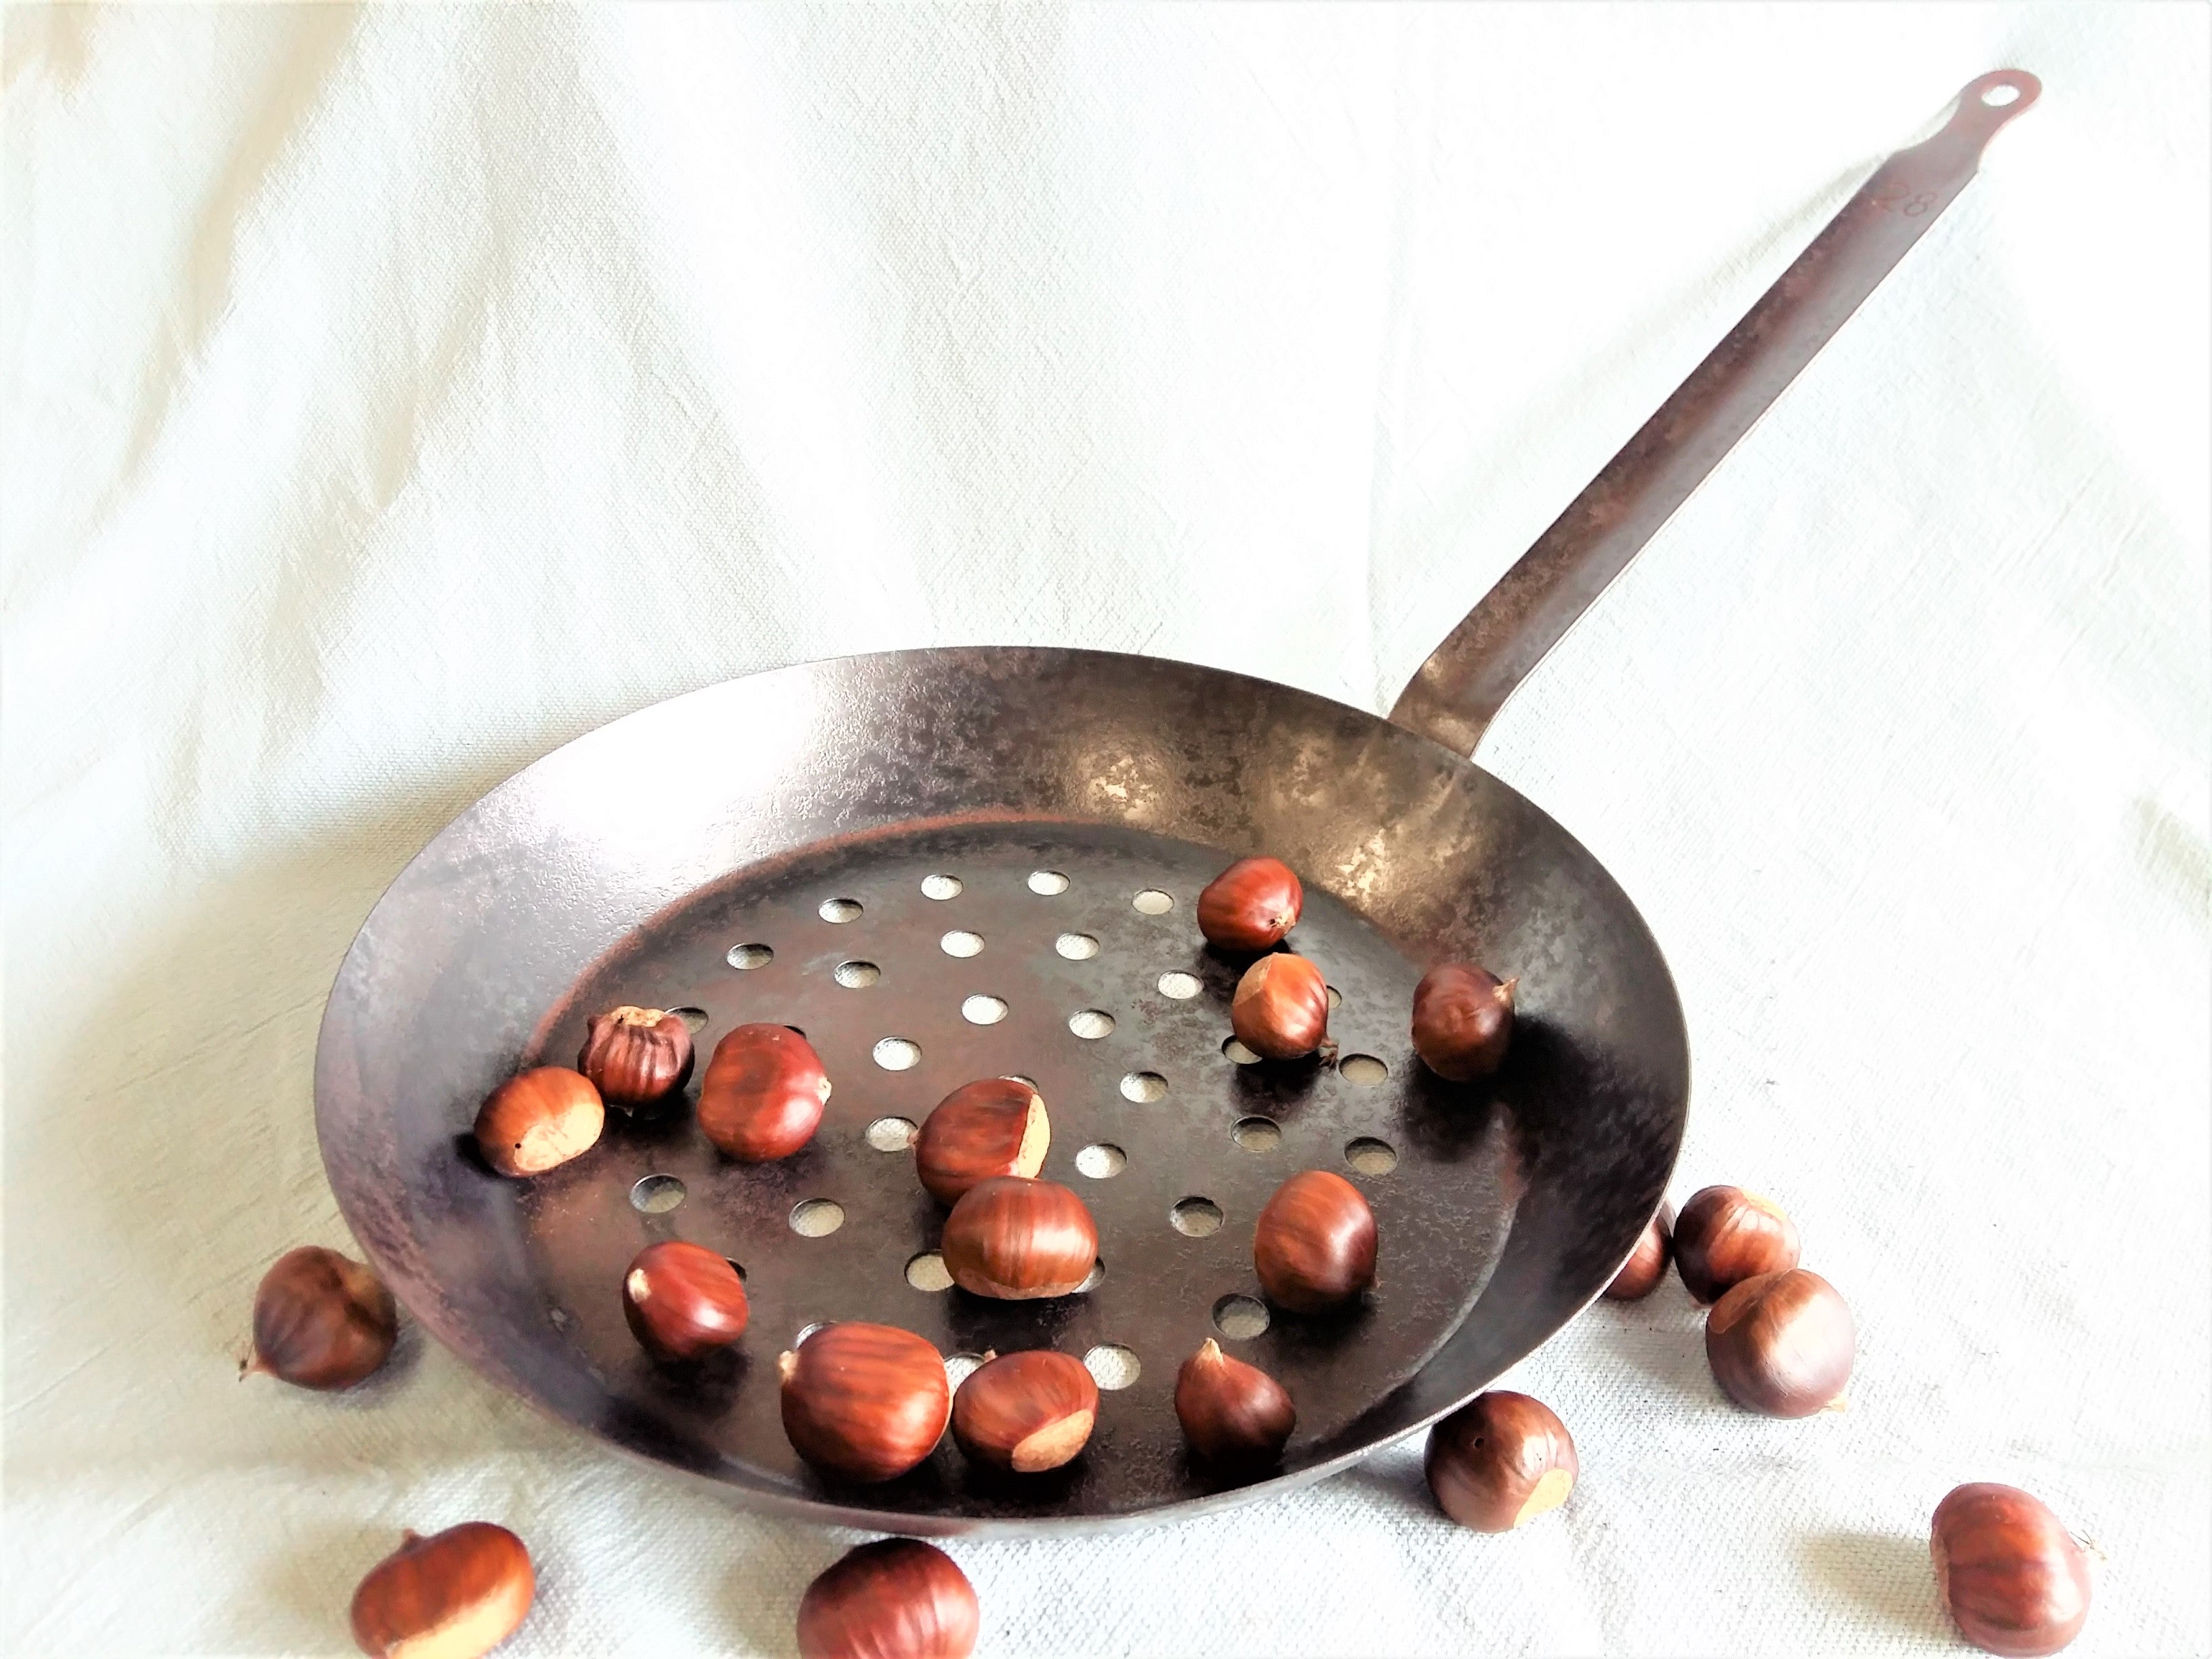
{"x": 1236, "y": 1315}
{"x": 900, "y": 1053}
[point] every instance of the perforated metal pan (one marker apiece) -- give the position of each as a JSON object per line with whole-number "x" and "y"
{"x": 945, "y": 865}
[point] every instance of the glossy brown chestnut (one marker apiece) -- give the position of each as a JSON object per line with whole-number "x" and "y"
{"x": 1314, "y": 1246}
{"x": 1018, "y": 1239}
{"x": 1025, "y": 1412}
{"x": 635, "y": 1056}
{"x": 2010, "y": 1574}
{"x": 683, "y": 1300}
{"x": 993, "y": 1126}
{"x": 1726, "y": 1234}
{"x": 763, "y": 1093}
{"x": 1500, "y": 1460}
{"x": 538, "y": 1120}
{"x": 451, "y": 1595}
{"x": 1280, "y": 1007}
{"x": 864, "y": 1402}
{"x": 1781, "y": 1343}
{"x": 1647, "y": 1263}
{"x": 1235, "y": 1416}
{"x": 1462, "y": 1020}
{"x": 897, "y": 1598}
{"x": 1250, "y": 905}
{"x": 320, "y": 1320}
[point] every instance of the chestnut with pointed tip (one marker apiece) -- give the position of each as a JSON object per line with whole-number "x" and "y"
{"x": 1025, "y": 1412}
{"x": 321, "y": 1321}
{"x": 1462, "y": 1020}
{"x": 993, "y": 1127}
{"x": 683, "y": 1300}
{"x": 635, "y": 1056}
{"x": 1018, "y": 1239}
{"x": 1500, "y": 1460}
{"x": 897, "y": 1598}
{"x": 1781, "y": 1343}
{"x": 1250, "y": 905}
{"x": 864, "y": 1402}
{"x": 455, "y": 1594}
{"x": 1314, "y": 1246}
{"x": 1235, "y": 1416}
{"x": 538, "y": 1120}
{"x": 1725, "y": 1235}
{"x": 1280, "y": 1007}
{"x": 763, "y": 1093}
{"x": 2012, "y": 1577}
{"x": 1647, "y": 1263}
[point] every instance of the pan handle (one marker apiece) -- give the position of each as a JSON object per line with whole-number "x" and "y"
{"x": 1460, "y": 688}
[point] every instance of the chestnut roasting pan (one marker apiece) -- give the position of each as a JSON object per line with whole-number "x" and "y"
{"x": 953, "y": 864}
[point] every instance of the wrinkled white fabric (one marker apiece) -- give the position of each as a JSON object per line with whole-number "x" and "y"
{"x": 392, "y": 395}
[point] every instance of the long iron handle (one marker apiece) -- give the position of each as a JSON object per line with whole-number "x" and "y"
{"x": 1460, "y": 688}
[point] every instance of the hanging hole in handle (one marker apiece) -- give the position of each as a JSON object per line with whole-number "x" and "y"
{"x": 2000, "y": 94}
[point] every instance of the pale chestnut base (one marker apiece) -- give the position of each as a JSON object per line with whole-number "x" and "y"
{"x": 472, "y": 1630}
{"x": 547, "y": 1145}
{"x": 1546, "y": 1495}
{"x": 1037, "y": 1138}
{"x": 1053, "y": 1445}
{"x": 551, "y": 1142}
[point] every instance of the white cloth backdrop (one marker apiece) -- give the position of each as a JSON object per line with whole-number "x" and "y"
{"x": 393, "y": 395}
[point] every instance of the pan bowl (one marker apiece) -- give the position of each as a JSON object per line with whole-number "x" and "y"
{"x": 641, "y": 859}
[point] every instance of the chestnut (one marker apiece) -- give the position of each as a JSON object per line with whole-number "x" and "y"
{"x": 1781, "y": 1343}
{"x": 1017, "y": 1238}
{"x": 763, "y": 1093}
{"x": 1647, "y": 1263}
{"x": 320, "y": 1320}
{"x": 683, "y": 1300}
{"x": 897, "y": 1598}
{"x": 538, "y": 1120}
{"x": 1235, "y": 1416}
{"x": 1726, "y": 1234}
{"x": 1250, "y": 905}
{"x": 1500, "y": 1460}
{"x": 2011, "y": 1576}
{"x": 1025, "y": 1412}
{"x": 1314, "y": 1246}
{"x": 864, "y": 1402}
{"x": 1462, "y": 1020}
{"x": 996, "y": 1126}
{"x": 1280, "y": 1007}
{"x": 451, "y": 1595}
{"x": 635, "y": 1056}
